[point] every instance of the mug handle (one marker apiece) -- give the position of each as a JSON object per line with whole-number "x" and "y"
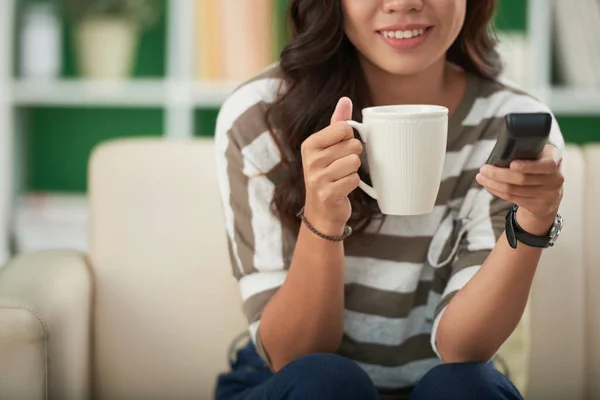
{"x": 362, "y": 131}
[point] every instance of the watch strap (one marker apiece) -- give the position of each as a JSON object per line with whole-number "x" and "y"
{"x": 514, "y": 233}
{"x": 510, "y": 230}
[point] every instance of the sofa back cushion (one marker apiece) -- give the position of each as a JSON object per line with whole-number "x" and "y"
{"x": 166, "y": 304}
{"x": 592, "y": 274}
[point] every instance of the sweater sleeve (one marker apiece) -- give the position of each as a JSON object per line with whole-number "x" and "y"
{"x": 246, "y": 153}
{"x": 481, "y": 229}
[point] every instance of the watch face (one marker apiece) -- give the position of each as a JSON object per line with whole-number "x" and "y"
{"x": 556, "y": 228}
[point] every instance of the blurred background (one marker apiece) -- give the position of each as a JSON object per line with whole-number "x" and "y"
{"x": 76, "y": 73}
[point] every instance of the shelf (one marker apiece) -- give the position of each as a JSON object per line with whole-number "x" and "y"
{"x": 162, "y": 93}
{"x": 146, "y": 93}
{"x": 212, "y": 94}
{"x": 131, "y": 93}
{"x": 574, "y": 101}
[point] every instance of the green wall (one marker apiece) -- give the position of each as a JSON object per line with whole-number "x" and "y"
{"x": 580, "y": 129}
{"x": 58, "y": 150}
{"x": 511, "y": 15}
{"x": 59, "y": 140}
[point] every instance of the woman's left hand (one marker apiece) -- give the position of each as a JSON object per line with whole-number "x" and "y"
{"x": 535, "y": 186}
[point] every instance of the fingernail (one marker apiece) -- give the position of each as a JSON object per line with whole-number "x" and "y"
{"x": 477, "y": 177}
{"x": 484, "y": 169}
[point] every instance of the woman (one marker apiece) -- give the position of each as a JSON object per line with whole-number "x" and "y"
{"x": 408, "y": 306}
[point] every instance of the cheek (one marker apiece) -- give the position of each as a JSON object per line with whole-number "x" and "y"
{"x": 357, "y": 17}
{"x": 452, "y": 15}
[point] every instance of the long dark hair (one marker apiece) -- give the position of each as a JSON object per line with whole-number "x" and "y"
{"x": 320, "y": 66}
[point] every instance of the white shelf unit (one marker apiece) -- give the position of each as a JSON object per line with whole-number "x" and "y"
{"x": 6, "y": 125}
{"x": 72, "y": 93}
{"x": 568, "y": 101}
{"x": 562, "y": 100}
{"x": 138, "y": 93}
{"x": 179, "y": 94}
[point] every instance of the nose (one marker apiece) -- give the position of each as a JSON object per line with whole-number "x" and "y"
{"x": 405, "y": 6}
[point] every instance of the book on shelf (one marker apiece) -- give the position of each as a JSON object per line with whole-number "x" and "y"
{"x": 236, "y": 39}
{"x": 593, "y": 22}
{"x": 208, "y": 58}
{"x": 515, "y": 49}
{"x": 245, "y": 34}
{"x": 576, "y": 42}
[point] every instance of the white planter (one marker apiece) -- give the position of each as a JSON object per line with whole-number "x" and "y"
{"x": 41, "y": 42}
{"x": 106, "y": 47}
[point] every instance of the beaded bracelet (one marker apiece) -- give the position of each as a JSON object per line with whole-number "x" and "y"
{"x": 347, "y": 230}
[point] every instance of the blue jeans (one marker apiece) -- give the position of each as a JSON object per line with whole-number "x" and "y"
{"x": 329, "y": 377}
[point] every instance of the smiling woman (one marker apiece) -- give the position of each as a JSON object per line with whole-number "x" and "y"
{"x": 344, "y": 36}
{"x": 409, "y": 306}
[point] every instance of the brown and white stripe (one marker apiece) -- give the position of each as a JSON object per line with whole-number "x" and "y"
{"x": 403, "y": 270}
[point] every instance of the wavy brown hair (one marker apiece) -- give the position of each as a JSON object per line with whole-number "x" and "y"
{"x": 320, "y": 66}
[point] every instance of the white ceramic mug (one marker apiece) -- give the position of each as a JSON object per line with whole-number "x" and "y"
{"x": 406, "y": 149}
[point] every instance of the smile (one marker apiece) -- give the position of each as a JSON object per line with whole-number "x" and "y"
{"x": 405, "y": 39}
{"x": 408, "y": 34}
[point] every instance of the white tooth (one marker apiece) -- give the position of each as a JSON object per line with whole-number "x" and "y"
{"x": 415, "y": 32}
{"x": 384, "y": 33}
{"x": 398, "y": 35}
{"x": 421, "y": 31}
{"x": 407, "y": 34}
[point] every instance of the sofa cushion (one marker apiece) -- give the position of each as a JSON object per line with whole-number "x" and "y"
{"x": 592, "y": 272}
{"x": 167, "y": 305}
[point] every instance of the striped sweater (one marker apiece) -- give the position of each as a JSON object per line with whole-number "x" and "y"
{"x": 403, "y": 270}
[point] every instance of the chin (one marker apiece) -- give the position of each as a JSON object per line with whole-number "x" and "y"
{"x": 405, "y": 67}
{"x": 406, "y": 64}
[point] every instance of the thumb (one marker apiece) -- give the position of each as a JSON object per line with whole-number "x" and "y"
{"x": 343, "y": 110}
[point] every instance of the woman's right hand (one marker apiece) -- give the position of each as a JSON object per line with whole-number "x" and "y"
{"x": 330, "y": 159}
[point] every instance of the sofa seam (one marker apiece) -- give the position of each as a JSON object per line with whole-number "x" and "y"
{"x": 45, "y": 329}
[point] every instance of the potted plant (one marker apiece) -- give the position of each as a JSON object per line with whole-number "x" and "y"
{"x": 107, "y": 33}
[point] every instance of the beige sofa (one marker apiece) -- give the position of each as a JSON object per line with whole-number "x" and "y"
{"x": 150, "y": 312}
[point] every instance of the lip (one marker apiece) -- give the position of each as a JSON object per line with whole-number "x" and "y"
{"x": 405, "y": 44}
{"x": 404, "y": 27}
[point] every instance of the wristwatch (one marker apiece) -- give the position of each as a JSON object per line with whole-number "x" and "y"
{"x": 515, "y": 233}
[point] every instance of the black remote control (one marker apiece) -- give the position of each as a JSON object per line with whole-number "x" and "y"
{"x": 525, "y": 137}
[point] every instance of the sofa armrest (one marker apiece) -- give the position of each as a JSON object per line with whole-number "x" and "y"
{"x": 592, "y": 270}
{"x": 557, "y": 365}
{"x": 45, "y": 325}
